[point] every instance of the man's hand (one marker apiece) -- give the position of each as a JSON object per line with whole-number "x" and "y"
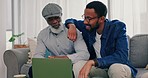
{"x": 86, "y": 69}
{"x": 72, "y": 32}
{"x": 57, "y": 57}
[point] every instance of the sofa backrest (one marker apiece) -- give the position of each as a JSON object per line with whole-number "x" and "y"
{"x": 138, "y": 50}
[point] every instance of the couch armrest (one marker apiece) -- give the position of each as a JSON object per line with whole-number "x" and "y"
{"x": 139, "y": 50}
{"x": 14, "y": 59}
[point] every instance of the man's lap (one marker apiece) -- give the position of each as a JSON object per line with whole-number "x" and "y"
{"x": 104, "y": 73}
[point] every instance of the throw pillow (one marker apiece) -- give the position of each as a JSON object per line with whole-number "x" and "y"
{"x": 32, "y": 46}
{"x": 146, "y": 67}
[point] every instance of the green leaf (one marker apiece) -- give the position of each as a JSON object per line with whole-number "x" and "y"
{"x": 11, "y": 39}
{"x": 19, "y": 35}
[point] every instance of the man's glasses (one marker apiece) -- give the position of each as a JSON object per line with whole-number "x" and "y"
{"x": 87, "y": 18}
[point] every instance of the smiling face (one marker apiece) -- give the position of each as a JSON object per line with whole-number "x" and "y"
{"x": 90, "y": 18}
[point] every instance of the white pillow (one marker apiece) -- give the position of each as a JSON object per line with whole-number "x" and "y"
{"x": 32, "y": 46}
{"x": 146, "y": 67}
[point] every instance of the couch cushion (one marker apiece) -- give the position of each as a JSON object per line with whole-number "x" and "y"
{"x": 139, "y": 50}
{"x": 146, "y": 67}
{"x": 32, "y": 46}
{"x": 144, "y": 75}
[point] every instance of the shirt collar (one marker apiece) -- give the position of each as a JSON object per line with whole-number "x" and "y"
{"x": 105, "y": 30}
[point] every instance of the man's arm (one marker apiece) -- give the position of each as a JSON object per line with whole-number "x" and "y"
{"x": 80, "y": 49}
{"x": 72, "y": 32}
{"x": 40, "y": 48}
{"x": 72, "y": 24}
{"x": 84, "y": 72}
{"x": 58, "y": 57}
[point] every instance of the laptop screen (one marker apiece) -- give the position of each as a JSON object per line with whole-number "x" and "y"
{"x": 52, "y": 68}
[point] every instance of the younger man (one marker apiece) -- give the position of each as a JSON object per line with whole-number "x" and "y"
{"x": 109, "y": 59}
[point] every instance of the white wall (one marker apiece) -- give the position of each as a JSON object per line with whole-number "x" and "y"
{"x": 2, "y": 36}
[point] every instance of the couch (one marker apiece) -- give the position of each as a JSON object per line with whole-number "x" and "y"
{"x": 15, "y": 59}
{"x": 138, "y": 53}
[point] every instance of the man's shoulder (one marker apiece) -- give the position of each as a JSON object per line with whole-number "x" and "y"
{"x": 44, "y": 31}
{"x": 116, "y": 24}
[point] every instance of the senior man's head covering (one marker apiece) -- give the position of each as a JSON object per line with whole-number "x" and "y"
{"x": 51, "y": 10}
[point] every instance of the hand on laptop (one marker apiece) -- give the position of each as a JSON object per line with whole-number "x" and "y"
{"x": 57, "y": 57}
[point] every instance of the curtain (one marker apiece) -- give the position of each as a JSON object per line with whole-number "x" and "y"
{"x": 133, "y": 13}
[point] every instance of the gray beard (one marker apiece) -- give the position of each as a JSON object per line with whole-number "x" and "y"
{"x": 56, "y": 31}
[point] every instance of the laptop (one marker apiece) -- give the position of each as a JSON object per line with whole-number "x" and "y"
{"x": 51, "y": 68}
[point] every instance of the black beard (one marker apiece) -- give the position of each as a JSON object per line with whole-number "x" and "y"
{"x": 89, "y": 27}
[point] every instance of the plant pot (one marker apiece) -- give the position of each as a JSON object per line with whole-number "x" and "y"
{"x": 20, "y": 46}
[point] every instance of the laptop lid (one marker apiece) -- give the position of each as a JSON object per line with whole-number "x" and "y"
{"x": 52, "y": 68}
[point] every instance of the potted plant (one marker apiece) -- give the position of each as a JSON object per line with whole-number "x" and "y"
{"x": 13, "y": 38}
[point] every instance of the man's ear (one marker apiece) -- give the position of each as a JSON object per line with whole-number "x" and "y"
{"x": 102, "y": 19}
{"x": 61, "y": 14}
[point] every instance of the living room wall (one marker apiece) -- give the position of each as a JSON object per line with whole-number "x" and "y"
{"x": 3, "y": 24}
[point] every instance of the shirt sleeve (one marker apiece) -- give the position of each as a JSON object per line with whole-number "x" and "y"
{"x": 81, "y": 50}
{"x": 78, "y": 23}
{"x": 40, "y": 48}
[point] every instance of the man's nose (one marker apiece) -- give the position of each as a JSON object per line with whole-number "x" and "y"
{"x": 85, "y": 22}
{"x": 54, "y": 21}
